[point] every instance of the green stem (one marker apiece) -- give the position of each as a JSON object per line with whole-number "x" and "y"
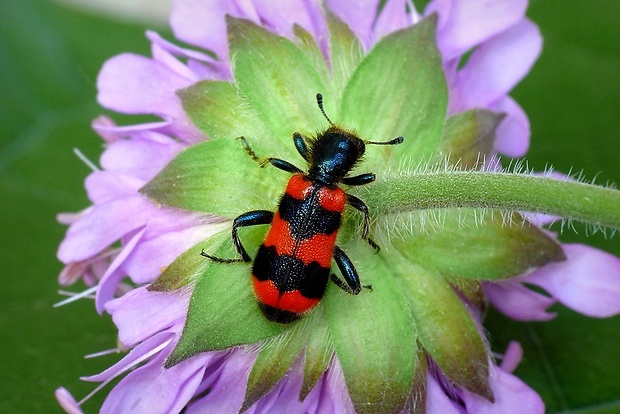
{"x": 599, "y": 206}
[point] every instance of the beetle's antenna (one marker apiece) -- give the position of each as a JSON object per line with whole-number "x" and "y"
{"x": 397, "y": 140}
{"x": 319, "y": 101}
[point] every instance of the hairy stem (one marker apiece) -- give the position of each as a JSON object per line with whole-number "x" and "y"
{"x": 591, "y": 204}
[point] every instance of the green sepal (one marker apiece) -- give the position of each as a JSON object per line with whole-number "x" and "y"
{"x": 306, "y": 43}
{"x": 274, "y": 359}
{"x": 220, "y": 112}
{"x": 418, "y": 396}
{"x": 374, "y": 336}
{"x": 217, "y": 177}
{"x": 399, "y": 89}
{"x": 223, "y": 311}
{"x": 345, "y": 52}
{"x": 213, "y": 107}
{"x": 468, "y": 137}
{"x": 283, "y": 98}
{"x": 187, "y": 267}
{"x": 444, "y": 325}
{"x": 493, "y": 247}
{"x": 470, "y": 289}
{"x": 318, "y": 352}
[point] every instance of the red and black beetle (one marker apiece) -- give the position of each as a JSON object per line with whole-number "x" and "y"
{"x": 292, "y": 266}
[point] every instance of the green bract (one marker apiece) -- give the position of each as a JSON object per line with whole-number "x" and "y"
{"x": 382, "y": 336}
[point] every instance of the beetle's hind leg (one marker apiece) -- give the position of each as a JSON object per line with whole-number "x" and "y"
{"x": 352, "y": 285}
{"x": 251, "y": 218}
{"x": 358, "y": 204}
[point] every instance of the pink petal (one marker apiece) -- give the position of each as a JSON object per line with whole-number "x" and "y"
{"x": 358, "y": 15}
{"x": 329, "y": 395}
{"x": 202, "y": 22}
{"x": 393, "y": 17}
{"x": 280, "y": 16}
{"x": 167, "y": 219}
{"x": 512, "y": 357}
{"x": 227, "y": 384}
{"x": 587, "y": 282}
{"x": 110, "y": 132}
{"x": 103, "y": 225}
{"x": 135, "y": 84}
{"x": 70, "y": 218}
{"x": 284, "y": 397}
{"x": 114, "y": 274}
{"x": 466, "y": 23}
{"x": 91, "y": 269}
{"x": 511, "y": 396}
{"x": 163, "y": 56}
{"x": 161, "y": 45}
{"x": 436, "y": 399}
{"x": 512, "y": 136}
{"x": 104, "y": 186}
{"x": 142, "y": 157}
{"x": 67, "y": 402}
{"x": 140, "y": 313}
{"x": 143, "y": 351}
{"x": 149, "y": 258}
{"x": 101, "y": 124}
{"x": 151, "y": 388}
{"x": 72, "y": 272}
{"x": 496, "y": 66}
{"x": 442, "y": 8}
{"x": 518, "y": 302}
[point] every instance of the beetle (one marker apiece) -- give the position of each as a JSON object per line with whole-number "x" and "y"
{"x": 292, "y": 266}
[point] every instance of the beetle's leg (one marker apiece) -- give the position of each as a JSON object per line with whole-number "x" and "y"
{"x": 361, "y": 179}
{"x": 251, "y": 218}
{"x": 219, "y": 259}
{"x": 276, "y": 162}
{"x": 249, "y": 150}
{"x": 283, "y": 165}
{"x": 348, "y": 271}
{"x": 302, "y": 147}
{"x": 359, "y": 205}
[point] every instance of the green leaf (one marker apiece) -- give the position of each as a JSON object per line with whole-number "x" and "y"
{"x": 374, "y": 337}
{"x": 489, "y": 248}
{"x": 217, "y": 177}
{"x": 188, "y": 266}
{"x": 223, "y": 311}
{"x": 468, "y": 138}
{"x": 444, "y": 325}
{"x": 399, "y": 89}
{"x": 277, "y": 80}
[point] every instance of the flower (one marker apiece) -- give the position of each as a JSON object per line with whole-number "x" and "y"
{"x": 166, "y": 189}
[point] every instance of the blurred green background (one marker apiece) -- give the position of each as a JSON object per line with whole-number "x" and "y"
{"x": 49, "y": 59}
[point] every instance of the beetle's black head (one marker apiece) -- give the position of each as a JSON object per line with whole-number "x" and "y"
{"x": 334, "y": 153}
